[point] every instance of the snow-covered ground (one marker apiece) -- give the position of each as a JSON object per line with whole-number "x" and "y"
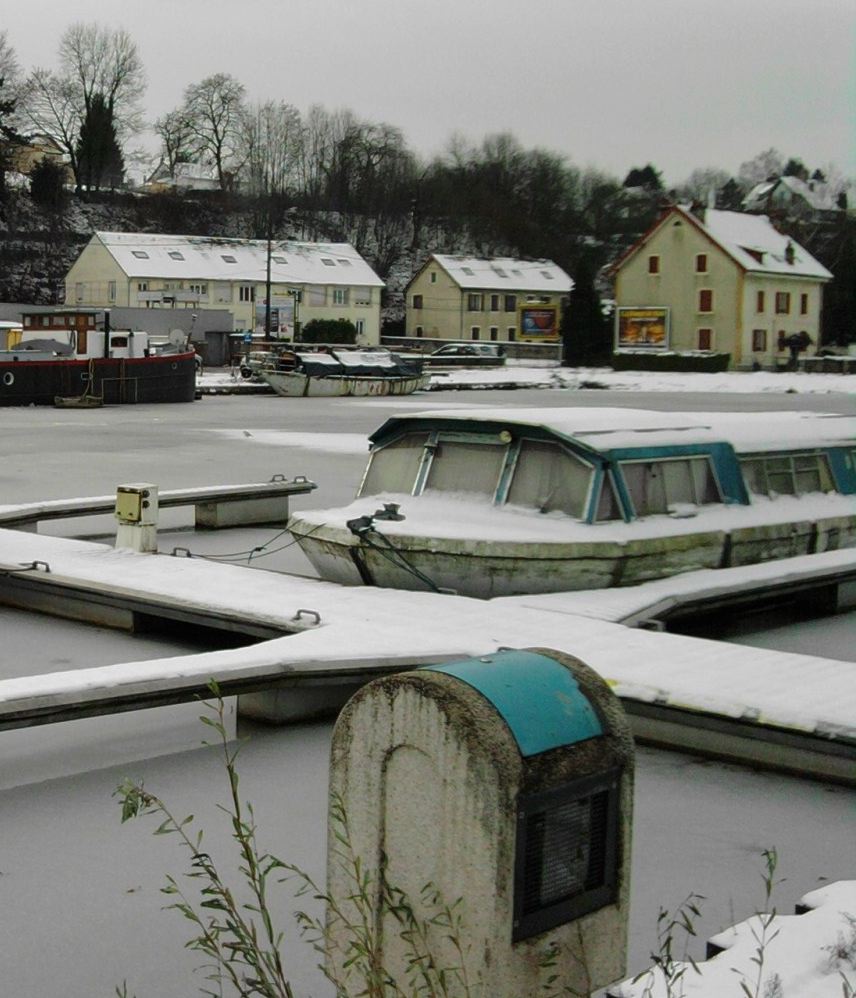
{"x": 793, "y": 382}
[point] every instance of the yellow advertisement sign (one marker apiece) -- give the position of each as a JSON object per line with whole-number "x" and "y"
{"x": 642, "y": 328}
{"x": 539, "y": 323}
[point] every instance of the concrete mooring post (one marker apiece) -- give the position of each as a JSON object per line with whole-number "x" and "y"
{"x": 137, "y": 514}
{"x": 489, "y": 804}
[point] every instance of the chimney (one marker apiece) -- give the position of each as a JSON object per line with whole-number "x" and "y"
{"x": 790, "y": 255}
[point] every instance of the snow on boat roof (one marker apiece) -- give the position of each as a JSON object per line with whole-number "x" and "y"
{"x": 143, "y": 254}
{"x": 606, "y": 429}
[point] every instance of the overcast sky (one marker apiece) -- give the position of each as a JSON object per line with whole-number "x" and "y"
{"x": 608, "y": 83}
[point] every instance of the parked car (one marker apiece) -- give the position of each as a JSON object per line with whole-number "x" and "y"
{"x": 467, "y": 355}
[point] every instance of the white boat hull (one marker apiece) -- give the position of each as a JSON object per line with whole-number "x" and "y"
{"x": 293, "y": 384}
{"x": 486, "y": 569}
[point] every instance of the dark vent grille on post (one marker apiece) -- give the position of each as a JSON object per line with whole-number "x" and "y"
{"x": 566, "y": 854}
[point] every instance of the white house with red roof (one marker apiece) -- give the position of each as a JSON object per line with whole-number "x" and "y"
{"x": 718, "y": 281}
{"x": 498, "y": 299}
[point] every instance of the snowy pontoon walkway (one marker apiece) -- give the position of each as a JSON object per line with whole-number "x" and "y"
{"x": 791, "y": 711}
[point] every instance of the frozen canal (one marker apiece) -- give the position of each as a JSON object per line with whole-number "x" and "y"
{"x": 81, "y": 906}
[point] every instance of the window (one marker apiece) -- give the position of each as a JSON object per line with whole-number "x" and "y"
{"x": 433, "y": 276}
{"x": 548, "y": 478}
{"x": 701, "y": 263}
{"x": 475, "y": 332}
{"x": 494, "y": 303}
{"x": 653, "y": 265}
{"x": 198, "y": 289}
{"x": 655, "y": 486}
{"x": 360, "y": 326}
{"x": 111, "y": 290}
{"x": 512, "y": 333}
{"x": 468, "y": 271}
{"x": 228, "y": 258}
{"x": 759, "y": 302}
{"x": 759, "y": 340}
{"x": 119, "y": 342}
{"x": 474, "y": 303}
{"x": 494, "y": 333}
{"x": 142, "y": 286}
{"x": 417, "y": 301}
{"x": 705, "y": 339}
{"x": 500, "y": 271}
{"x": 566, "y": 853}
{"x": 393, "y": 467}
{"x": 247, "y": 292}
{"x": 328, "y": 262}
{"x": 511, "y": 303}
{"x": 803, "y": 304}
{"x": 465, "y": 466}
{"x": 787, "y": 474}
{"x": 546, "y": 275}
{"x": 176, "y": 255}
{"x": 341, "y": 296}
{"x": 783, "y": 303}
{"x": 140, "y": 254}
{"x": 705, "y": 300}
{"x": 419, "y": 331}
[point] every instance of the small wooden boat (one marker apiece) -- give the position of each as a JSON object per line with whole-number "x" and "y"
{"x": 501, "y": 503}
{"x": 343, "y": 372}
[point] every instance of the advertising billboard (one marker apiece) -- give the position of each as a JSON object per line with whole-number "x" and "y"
{"x": 281, "y": 316}
{"x": 539, "y": 323}
{"x": 642, "y": 328}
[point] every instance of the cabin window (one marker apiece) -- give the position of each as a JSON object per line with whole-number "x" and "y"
{"x": 787, "y": 474}
{"x": 608, "y": 507}
{"x": 655, "y": 486}
{"x": 119, "y": 342}
{"x": 547, "y": 477}
{"x": 465, "y": 466}
{"x": 393, "y": 467}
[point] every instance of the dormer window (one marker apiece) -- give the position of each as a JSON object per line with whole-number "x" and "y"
{"x": 546, "y": 275}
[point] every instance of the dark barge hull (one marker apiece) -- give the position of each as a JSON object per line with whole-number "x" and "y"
{"x": 165, "y": 378}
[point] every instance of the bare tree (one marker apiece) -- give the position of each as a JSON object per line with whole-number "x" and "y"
{"x": 701, "y": 182}
{"x": 769, "y": 163}
{"x": 271, "y": 136}
{"x": 105, "y": 61}
{"x": 10, "y": 77}
{"x": 52, "y": 109}
{"x": 214, "y": 111}
{"x": 176, "y": 140}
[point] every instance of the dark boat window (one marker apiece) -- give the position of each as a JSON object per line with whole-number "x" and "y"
{"x": 464, "y": 466}
{"x": 548, "y": 478}
{"x": 787, "y": 474}
{"x": 607, "y": 503}
{"x": 655, "y": 486}
{"x": 393, "y": 467}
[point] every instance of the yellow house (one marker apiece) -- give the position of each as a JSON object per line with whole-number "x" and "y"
{"x": 501, "y": 299}
{"x": 24, "y": 156}
{"x": 307, "y": 280}
{"x": 717, "y": 281}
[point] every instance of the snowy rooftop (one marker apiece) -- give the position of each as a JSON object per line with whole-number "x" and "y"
{"x": 610, "y": 428}
{"x": 505, "y": 274}
{"x": 815, "y": 193}
{"x": 757, "y": 245}
{"x": 152, "y": 255}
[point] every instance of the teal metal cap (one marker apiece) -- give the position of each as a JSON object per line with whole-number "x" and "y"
{"x": 538, "y": 698}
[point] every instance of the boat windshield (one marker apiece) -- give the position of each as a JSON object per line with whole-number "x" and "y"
{"x": 547, "y": 477}
{"x": 466, "y": 466}
{"x": 393, "y": 468}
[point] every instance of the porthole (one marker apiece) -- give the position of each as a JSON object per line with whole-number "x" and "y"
{"x": 8, "y": 378}
{"x": 175, "y": 366}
